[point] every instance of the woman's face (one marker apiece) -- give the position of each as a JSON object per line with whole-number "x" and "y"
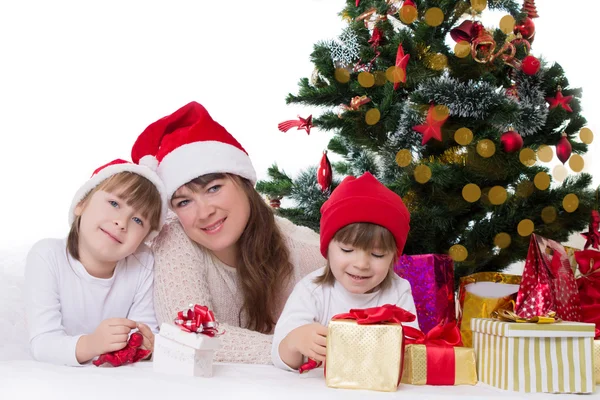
{"x": 214, "y": 216}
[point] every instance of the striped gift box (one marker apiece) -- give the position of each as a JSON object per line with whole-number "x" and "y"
{"x": 527, "y": 357}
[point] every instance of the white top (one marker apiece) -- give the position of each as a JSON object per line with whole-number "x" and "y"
{"x": 64, "y": 302}
{"x": 310, "y": 303}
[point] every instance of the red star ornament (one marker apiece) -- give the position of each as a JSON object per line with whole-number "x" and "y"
{"x": 432, "y": 127}
{"x": 300, "y": 123}
{"x": 401, "y": 62}
{"x": 561, "y": 100}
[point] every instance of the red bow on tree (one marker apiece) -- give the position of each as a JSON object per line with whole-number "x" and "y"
{"x": 198, "y": 319}
{"x": 130, "y": 354}
{"x": 301, "y": 123}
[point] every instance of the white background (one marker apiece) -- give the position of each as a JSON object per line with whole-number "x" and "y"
{"x": 79, "y": 80}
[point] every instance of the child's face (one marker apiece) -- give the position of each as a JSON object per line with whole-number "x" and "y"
{"x": 359, "y": 271}
{"x": 110, "y": 230}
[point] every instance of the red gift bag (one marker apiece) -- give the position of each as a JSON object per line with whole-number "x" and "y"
{"x": 548, "y": 283}
{"x": 588, "y": 283}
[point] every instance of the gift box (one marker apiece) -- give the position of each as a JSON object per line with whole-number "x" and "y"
{"x": 365, "y": 349}
{"x": 187, "y": 347}
{"x": 529, "y": 357}
{"x": 435, "y": 365}
{"x": 431, "y": 277}
{"x": 480, "y": 295}
{"x": 548, "y": 283}
{"x": 438, "y": 358}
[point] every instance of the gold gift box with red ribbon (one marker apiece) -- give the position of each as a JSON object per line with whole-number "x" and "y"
{"x": 438, "y": 358}
{"x": 365, "y": 348}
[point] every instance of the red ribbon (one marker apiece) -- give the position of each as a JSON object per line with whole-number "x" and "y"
{"x": 198, "y": 319}
{"x": 439, "y": 345}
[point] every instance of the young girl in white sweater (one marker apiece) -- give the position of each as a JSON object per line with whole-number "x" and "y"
{"x": 364, "y": 226}
{"x": 87, "y": 292}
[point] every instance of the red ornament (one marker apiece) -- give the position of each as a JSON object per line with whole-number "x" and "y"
{"x": 512, "y": 91}
{"x": 275, "y": 202}
{"x": 529, "y": 8}
{"x": 376, "y": 38}
{"x": 324, "y": 173}
{"x": 432, "y": 127}
{"x": 401, "y": 63}
{"x": 511, "y": 141}
{"x": 463, "y": 32}
{"x": 592, "y": 236}
{"x": 301, "y": 123}
{"x": 563, "y": 149}
{"x": 131, "y": 353}
{"x": 561, "y": 100}
{"x": 530, "y": 65}
{"x": 526, "y": 28}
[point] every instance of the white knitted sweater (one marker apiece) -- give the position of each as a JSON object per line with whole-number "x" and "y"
{"x": 185, "y": 273}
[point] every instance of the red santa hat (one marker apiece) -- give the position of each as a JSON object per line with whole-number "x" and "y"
{"x": 188, "y": 144}
{"x": 364, "y": 199}
{"x": 112, "y": 168}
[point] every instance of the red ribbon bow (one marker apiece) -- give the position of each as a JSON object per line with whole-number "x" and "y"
{"x": 198, "y": 319}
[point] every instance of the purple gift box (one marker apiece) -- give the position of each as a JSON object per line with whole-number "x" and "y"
{"x": 431, "y": 277}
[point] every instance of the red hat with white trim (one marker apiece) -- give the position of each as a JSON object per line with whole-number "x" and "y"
{"x": 188, "y": 144}
{"x": 112, "y": 168}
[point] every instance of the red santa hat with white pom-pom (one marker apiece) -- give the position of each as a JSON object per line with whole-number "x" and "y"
{"x": 188, "y": 144}
{"x": 112, "y": 168}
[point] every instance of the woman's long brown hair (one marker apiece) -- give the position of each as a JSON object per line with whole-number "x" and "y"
{"x": 264, "y": 266}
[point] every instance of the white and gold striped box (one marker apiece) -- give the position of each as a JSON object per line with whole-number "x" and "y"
{"x": 527, "y": 357}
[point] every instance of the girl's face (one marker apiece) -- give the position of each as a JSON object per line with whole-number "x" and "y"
{"x": 358, "y": 271}
{"x": 109, "y": 230}
{"x": 214, "y": 216}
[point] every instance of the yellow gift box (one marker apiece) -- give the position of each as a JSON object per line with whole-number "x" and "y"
{"x": 416, "y": 367}
{"x": 528, "y": 357}
{"x": 364, "y": 356}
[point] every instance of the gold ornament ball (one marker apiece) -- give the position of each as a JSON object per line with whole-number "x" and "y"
{"x": 586, "y": 135}
{"x": 525, "y": 227}
{"x": 408, "y": 14}
{"x": 458, "y": 253}
{"x": 395, "y": 74}
{"x": 463, "y": 136}
{"x": 545, "y": 153}
{"x": 366, "y": 79}
{"x": 502, "y": 240}
{"x": 525, "y": 189}
{"x": 440, "y": 112}
{"x": 434, "y": 16}
{"x": 422, "y": 173}
{"x": 507, "y": 24}
{"x": 462, "y": 49}
{"x": 403, "y": 158}
{"x": 486, "y": 148}
{"x": 497, "y": 195}
{"x": 542, "y": 180}
{"x": 570, "y": 202}
{"x": 372, "y": 116}
{"x": 549, "y": 214}
{"x": 560, "y": 173}
{"x": 342, "y": 75}
{"x": 527, "y": 157}
{"x": 380, "y": 78}
{"x": 478, "y": 5}
{"x": 438, "y": 62}
{"x": 576, "y": 163}
{"x": 471, "y": 192}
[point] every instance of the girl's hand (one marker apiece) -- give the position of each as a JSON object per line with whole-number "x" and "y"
{"x": 307, "y": 340}
{"x": 111, "y": 334}
{"x": 148, "y": 338}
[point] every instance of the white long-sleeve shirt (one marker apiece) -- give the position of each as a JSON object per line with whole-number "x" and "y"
{"x": 64, "y": 302}
{"x": 310, "y": 303}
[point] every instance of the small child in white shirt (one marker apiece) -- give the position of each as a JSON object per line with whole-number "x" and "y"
{"x": 364, "y": 226}
{"x": 87, "y": 292}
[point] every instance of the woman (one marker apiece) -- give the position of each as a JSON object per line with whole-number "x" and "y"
{"x": 224, "y": 248}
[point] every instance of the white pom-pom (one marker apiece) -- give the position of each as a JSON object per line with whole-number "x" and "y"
{"x": 150, "y": 162}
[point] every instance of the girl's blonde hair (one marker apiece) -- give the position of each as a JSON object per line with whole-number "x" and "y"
{"x": 364, "y": 236}
{"x": 137, "y": 191}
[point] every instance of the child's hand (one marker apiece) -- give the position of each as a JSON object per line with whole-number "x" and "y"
{"x": 308, "y": 340}
{"x": 112, "y": 334}
{"x": 148, "y": 337}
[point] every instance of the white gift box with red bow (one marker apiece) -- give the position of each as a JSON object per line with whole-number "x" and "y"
{"x": 178, "y": 352}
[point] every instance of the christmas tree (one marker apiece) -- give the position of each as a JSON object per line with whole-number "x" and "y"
{"x": 454, "y": 117}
